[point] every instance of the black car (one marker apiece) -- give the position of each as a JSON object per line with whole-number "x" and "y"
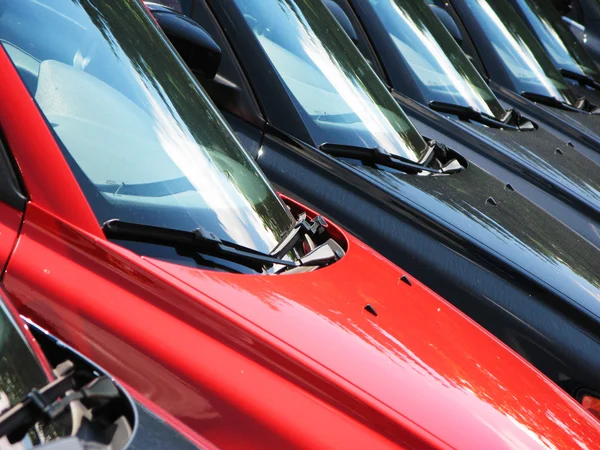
{"x": 520, "y": 72}
{"x": 52, "y": 397}
{"x": 420, "y": 60}
{"x": 322, "y": 126}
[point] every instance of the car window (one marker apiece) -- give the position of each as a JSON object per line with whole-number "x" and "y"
{"x": 433, "y": 57}
{"x": 525, "y": 60}
{"x": 342, "y": 97}
{"x": 141, "y": 136}
{"x": 563, "y": 47}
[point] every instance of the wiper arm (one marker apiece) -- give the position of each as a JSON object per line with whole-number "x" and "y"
{"x": 554, "y": 102}
{"x": 300, "y": 229}
{"x": 377, "y": 156}
{"x": 200, "y": 240}
{"x": 512, "y": 120}
{"x": 51, "y": 401}
{"x": 584, "y": 80}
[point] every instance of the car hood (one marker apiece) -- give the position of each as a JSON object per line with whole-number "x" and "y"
{"x": 417, "y": 365}
{"x": 585, "y": 127}
{"x": 489, "y": 218}
{"x": 538, "y": 156}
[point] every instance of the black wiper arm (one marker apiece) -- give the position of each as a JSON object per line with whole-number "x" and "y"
{"x": 375, "y": 156}
{"x": 550, "y": 101}
{"x": 51, "y": 401}
{"x": 300, "y": 228}
{"x": 470, "y": 113}
{"x": 200, "y": 240}
{"x": 582, "y": 79}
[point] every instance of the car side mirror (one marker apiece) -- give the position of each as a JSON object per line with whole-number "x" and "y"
{"x": 447, "y": 20}
{"x": 197, "y": 48}
{"x": 342, "y": 18}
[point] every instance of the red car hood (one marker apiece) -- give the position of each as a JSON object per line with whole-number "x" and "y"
{"x": 296, "y": 359}
{"x": 419, "y": 363}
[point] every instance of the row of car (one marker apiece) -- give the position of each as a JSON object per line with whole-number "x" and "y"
{"x": 299, "y": 224}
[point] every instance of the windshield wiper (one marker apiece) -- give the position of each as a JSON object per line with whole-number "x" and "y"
{"x": 378, "y": 157}
{"x": 52, "y": 400}
{"x": 584, "y": 80}
{"x": 199, "y": 240}
{"x": 512, "y": 120}
{"x": 582, "y": 106}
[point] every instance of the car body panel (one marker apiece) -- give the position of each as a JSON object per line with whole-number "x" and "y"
{"x": 269, "y": 331}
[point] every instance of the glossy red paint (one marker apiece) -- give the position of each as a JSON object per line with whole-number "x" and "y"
{"x": 10, "y": 222}
{"x": 37, "y": 154}
{"x": 291, "y": 361}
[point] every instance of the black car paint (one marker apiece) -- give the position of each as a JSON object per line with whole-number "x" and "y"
{"x": 150, "y": 432}
{"x": 470, "y": 237}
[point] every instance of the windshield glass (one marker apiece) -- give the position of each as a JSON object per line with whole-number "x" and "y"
{"x": 143, "y": 140}
{"x": 442, "y": 71}
{"x": 525, "y": 60}
{"x": 563, "y": 47}
{"x": 344, "y": 101}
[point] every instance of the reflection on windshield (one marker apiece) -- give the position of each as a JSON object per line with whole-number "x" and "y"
{"x": 563, "y": 47}
{"x": 144, "y": 142}
{"x": 344, "y": 101}
{"x": 443, "y": 72}
{"x": 527, "y": 64}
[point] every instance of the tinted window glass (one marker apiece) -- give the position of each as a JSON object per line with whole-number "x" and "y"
{"x": 342, "y": 97}
{"x": 435, "y": 60}
{"x": 563, "y": 47}
{"x": 526, "y": 62}
{"x": 141, "y": 136}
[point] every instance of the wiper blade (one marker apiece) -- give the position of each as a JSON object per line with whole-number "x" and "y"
{"x": 584, "y": 80}
{"x": 552, "y": 101}
{"x": 199, "y": 240}
{"x": 469, "y": 113}
{"x": 511, "y": 120}
{"x": 377, "y": 156}
{"x": 51, "y": 401}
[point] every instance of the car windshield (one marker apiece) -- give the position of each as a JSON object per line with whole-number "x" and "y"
{"x": 563, "y": 47}
{"x": 441, "y": 69}
{"x": 141, "y": 136}
{"x": 525, "y": 60}
{"x": 342, "y": 97}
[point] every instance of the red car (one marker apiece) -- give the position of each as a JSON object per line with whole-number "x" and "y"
{"x": 53, "y": 398}
{"x": 134, "y": 228}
